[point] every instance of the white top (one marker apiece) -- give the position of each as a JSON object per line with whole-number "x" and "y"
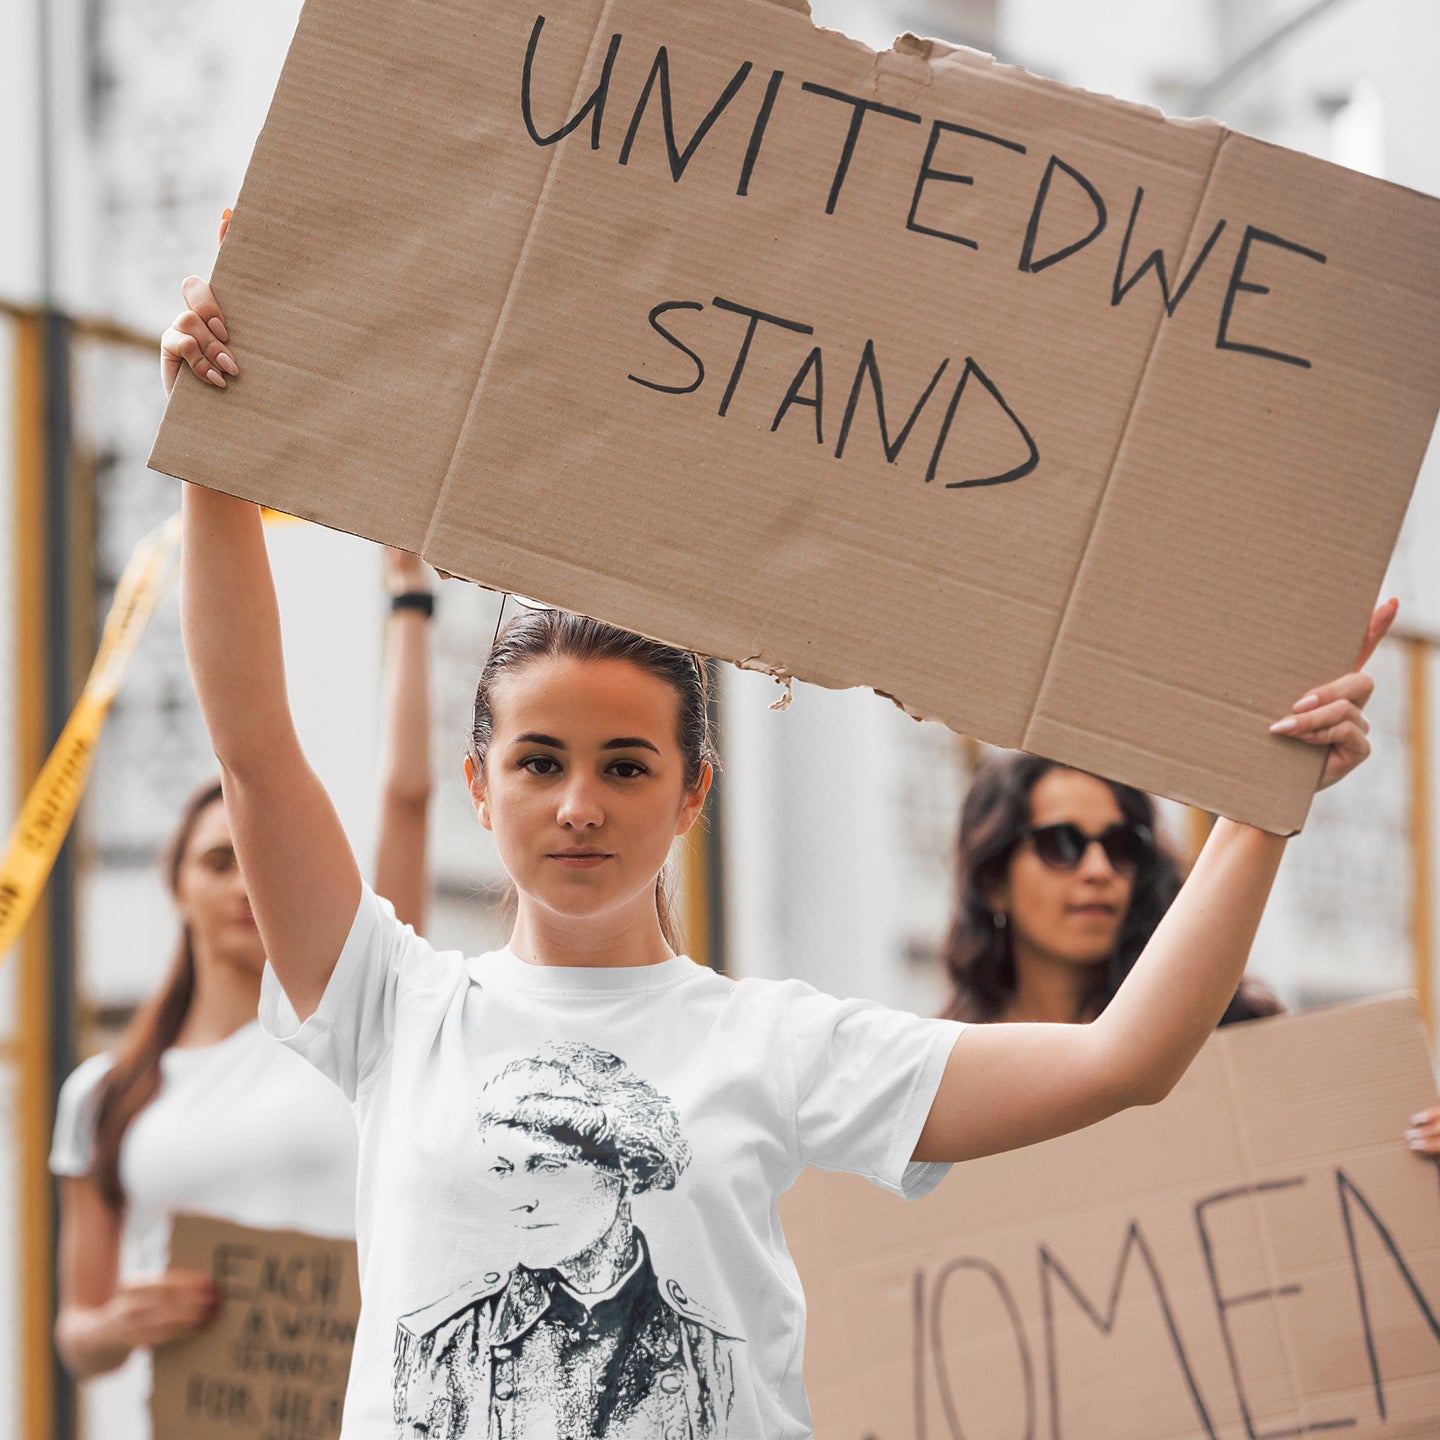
{"x": 242, "y": 1130}
{"x": 569, "y": 1178}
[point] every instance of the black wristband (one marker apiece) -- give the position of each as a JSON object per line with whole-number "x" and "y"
{"x": 421, "y": 600}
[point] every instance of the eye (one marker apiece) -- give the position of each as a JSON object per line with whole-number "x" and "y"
{"x": 629, "y": 769}
{"x": 548, "y": 1166}
{"x": 501, "y": 1167}
{"x": 540, "y": 765}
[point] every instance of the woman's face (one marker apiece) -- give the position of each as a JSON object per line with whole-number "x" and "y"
{"x": 211, "y": 898}
{"x": 1073, "y": 916}
{"x": 584, "y": 785}
{"x": 557, "y": 1205}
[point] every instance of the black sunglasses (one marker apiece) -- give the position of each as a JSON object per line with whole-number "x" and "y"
{"x": 1127, "y": 845}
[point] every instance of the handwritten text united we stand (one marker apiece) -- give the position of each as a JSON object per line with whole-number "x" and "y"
{"x": 711, "y": 338}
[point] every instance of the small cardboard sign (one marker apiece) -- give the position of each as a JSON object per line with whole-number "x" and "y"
{"x": 274, "y": 1364}
{"x": 1081, "y": 429}
{"x": 1258, "y": 1256}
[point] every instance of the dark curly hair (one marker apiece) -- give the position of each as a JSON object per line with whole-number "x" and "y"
{"x": 978, "y": 955}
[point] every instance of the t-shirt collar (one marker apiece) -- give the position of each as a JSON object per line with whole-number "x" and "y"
{"x": 505, "y": 968}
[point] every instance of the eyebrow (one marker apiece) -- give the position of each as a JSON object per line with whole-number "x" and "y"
{"x": 624, "y": 742}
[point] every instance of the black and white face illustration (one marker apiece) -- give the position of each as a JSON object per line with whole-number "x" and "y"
{"x": 582, "y": 1339}
{"x": 558, "y": 1204}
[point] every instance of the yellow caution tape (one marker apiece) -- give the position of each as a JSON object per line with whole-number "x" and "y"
{"x": 49, "y": 808}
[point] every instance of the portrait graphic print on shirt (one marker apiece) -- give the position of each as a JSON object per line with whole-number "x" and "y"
{"x": 581, "y": 1339}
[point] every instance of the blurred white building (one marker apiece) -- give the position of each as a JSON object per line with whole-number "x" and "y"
{"x": 838, "y": 813}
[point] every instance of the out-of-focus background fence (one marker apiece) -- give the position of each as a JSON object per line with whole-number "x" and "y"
{"x": 126, "y": 127}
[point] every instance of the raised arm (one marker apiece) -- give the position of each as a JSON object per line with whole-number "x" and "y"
{"x": 1011, "y": 1085}
{"x": 401, "y": 874}
{"x": 301, "y": 876}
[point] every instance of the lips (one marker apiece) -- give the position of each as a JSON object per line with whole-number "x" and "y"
{"x": 580, "y": 859}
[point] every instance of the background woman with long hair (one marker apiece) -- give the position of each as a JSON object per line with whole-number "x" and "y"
{"x": 197, "y": 1109}
{"x": 1061, "y": 880}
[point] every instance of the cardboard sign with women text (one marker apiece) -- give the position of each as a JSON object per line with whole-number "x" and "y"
{"x": 1081, "y": 429}
{"x": 1259, "y": 1255}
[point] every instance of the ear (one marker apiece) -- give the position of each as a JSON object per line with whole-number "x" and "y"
{"x": 475, "y": 783}
{"x": 695, "y": 799}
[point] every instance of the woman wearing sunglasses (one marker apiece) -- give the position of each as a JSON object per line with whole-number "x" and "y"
{"x": 1062, "y": 880}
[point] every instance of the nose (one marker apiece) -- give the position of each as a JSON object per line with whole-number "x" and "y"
{"x": 1095, "y": 863}
{"x": 580, "y": 807}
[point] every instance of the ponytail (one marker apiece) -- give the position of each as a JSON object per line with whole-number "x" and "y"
{"x": 670, "y": 926}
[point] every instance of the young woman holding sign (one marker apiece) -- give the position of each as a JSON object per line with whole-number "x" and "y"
{"x": 572, "y": 1149}
{"x": 198, "y": 1110}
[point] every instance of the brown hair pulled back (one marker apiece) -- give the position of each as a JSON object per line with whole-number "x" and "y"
{"x": 558, "y": 634}
{"x": 133, "y": 1080}
{"x": 978, "y": 955}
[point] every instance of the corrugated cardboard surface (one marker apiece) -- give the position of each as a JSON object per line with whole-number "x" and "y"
{"x": 446, "y": 338}
{"x": 1261, "y": 1244}
{"x": 274, "y": 1362}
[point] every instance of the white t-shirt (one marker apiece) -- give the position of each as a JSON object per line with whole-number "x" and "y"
{"x": 569, "y": 1177}
{"x": 243, "y": 1130}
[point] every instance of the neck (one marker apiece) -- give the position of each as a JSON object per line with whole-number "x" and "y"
{"x": 227, "y": 996}
{"x": 628, "y": 938}
{"x": 599, "y": 1267}
{"x": 1047, "y": 989}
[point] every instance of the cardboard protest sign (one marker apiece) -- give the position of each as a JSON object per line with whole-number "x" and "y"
{"x": 1080, "y": 429}
{"x": 1257, "y": 1256}
{"x": 274, "y": 1363}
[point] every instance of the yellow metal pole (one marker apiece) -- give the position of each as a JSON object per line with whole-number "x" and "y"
{"x": 695, "y": 897}
{"x": 1198, "y": 824}
{"x": 700, "y": 878}
{"x": 32, "y": 1042}
{"x": 1422, "y": 913}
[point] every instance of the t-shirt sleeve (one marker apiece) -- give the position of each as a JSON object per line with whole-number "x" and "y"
{"x": 865, "y": 1078}
{"x": 72, "y": 1147}
{"x": 349, "y": 1037}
